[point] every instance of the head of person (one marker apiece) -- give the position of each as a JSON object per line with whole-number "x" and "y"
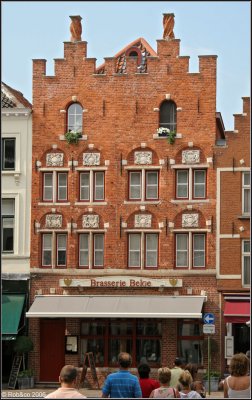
{"x": 193, "y": 369}
{"x": 185, "y": 379}
{"x": 178, "y": 362}
{"x": 124, "y": 360}
{"x": 164, "y": 375}
{"x": 239, "y": 365}
{"x": 144, "y": 371}
{"x": 68, "y": 375}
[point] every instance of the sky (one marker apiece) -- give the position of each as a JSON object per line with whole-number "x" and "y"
{"x": 37, "y": 29}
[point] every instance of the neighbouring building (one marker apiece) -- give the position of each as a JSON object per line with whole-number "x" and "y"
{"x": 123, "y": 221}
{"x": 16, "y": 158}
{"x": 232, "y": 157}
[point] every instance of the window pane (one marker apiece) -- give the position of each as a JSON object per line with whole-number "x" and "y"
{"x": 48, "y": 187}
{"x": 98, "y": 250}
{"x": 181, "y": 250}
{"x": 187, "y": 329}
{"x": 93, "y": 328}
{"x": 62, "y": 186}
{"x": 135, "y": 185}
{"x": 121, "y": 328}
{"x": 191, "y": 351}
{"x": 99, "y": 186}
{"x": 8, "y": 207}
{"x": 8, "y": 234}
{"x": 246, "y": 270}
{"x": 199, "y": 183}
{"x": 134, "y": 250}
{"x": 116, "y": 346}
{"x": 246, "y": 178}
{"x": 148, "y": 328}
{"x": 96, "y": 346}
{"x": 148, "y": 351}
{"x": 84, "y": 250}
{"x": 168, "y": 115}
{"x": 151, "y": 185}
{"x": 75, "y": 118}
{"x": 151, "y": 250}
{"x": 247, "y": 200}
{"x": 8, "y": 156}
{"x": 246, "y": 246}
{"x": 84, "y": 186}
{"x": 61, "y": 249}
{"x": 198, "y": 250}
{"x": 47, "y": 250}
{"x": 182, "y": 184}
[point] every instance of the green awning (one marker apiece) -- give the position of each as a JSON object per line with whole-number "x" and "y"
{"x": 12, "y": 307}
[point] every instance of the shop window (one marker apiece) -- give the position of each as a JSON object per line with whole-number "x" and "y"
{"x": 190, "y": 250}
{"x": 191, "y": 184}
{"x": 143, "y": 250}
{"x": 8, "y": 221}
{"x": 54, "y": 250}
{"x": 143, "y": 185}
{"x": 190, "y": 341}
{"x": 55, "y": 186}
{"x": 8, "y": 154}
{"x": 107, "y": 338}
{"x": 74, "y": 118}
{"x": 168, "y": 115}
{"x": 92, "y": 186}
{"x": 91, "y": 250}
{"x": 246, "y": 263}
{"x": 246, "y": 193}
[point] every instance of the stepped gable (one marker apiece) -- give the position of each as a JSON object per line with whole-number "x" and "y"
{"x": 11, "y": 98}
{"x": 140, "y": 48}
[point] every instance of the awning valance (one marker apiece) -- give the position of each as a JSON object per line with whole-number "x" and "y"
{"x": 117, "y": 307}
{"x": 237, "y": 311}
{"x": 12, "y": 307}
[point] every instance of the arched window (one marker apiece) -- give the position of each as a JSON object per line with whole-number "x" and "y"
{"x": 74, "y": 118}
{"x": 168, "y": 115}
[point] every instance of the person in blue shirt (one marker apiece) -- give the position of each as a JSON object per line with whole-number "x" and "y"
{"x": 122, "y": 384}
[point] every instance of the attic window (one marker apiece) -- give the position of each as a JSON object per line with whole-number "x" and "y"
{"x": 134, "y": 52}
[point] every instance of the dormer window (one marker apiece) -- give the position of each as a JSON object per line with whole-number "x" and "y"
{"x": 134, "y": 52}
{"x": 74, "y": 118}
{"x": 168, "y": 115}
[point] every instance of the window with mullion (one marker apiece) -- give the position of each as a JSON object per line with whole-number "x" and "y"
{"x": 246, "y": 262}
{"x": 199, "y": 250}
{"x": 8, "y": 154}
{"x": 74, "y": 118}
{"x": 135, "y": 185}
{"x": 182, "y": 257}
{"x": 8, "y": 221}
{"x": 62, "y": 186}
{"x": 134, "y": 258}
{"x": 47, "y": 250}
{"x": 151, "y": 185}
{"x": 151, "y": 250}
{"x": 182, "y": 191}
{"x": 98, "y": 250}
{"x": 61, "y": 250}
{"x": 168, "y": 115}
{"x": 199, "y": 184}
{"x": 48, "y": 186}
{"x": 246, "y": 193}
{"x": 98, "y": 186}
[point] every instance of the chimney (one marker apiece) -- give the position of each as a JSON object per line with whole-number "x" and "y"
{"x": 75, "y": 28}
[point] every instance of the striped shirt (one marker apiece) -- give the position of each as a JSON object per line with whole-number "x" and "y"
{"x": 122, "y": 384}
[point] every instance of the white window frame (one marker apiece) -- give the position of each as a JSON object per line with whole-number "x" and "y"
{"x": 91, "y": 249}
{"x": 244, "y": 188}
{"x": 55, "y": 186}
{"x": 62, "y": 186}
{"x": 3, "y": 153}
{"x": 143, "y": 249}
{"x": 54, "y": 248}
{"x": 191, "y": 183}
{"x": 245, "y": 254}
{"x": 143, "y": 187}
{"x": 190, "y": 248}
{"x": 12, "y": 218}
{"x": 15, "y": 136}
{"x": 16, "y": 197}
{"x": 92, "y": 185}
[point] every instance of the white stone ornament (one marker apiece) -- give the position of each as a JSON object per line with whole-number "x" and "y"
{"x": 91, "y": 158}
{"x": 190, "y": 220}
{"x": 190, "y": 156}
{"x": 53, "y": 221}
{"x": 90, "y": 221}
{"x": 143, "y": 157}
{"x": 143, "y": 221}
{"x": 54, "y": 159}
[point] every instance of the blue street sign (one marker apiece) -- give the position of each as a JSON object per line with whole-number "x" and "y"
{"x": 208, "y": 318}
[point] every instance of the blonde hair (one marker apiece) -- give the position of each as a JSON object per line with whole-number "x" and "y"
{"x": 239, "y": 365}
{"x": 164, "y": 375}
{"x": 185, "y": 378}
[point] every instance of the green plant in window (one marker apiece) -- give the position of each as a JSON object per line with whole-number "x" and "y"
{"x": 72, "y": 137}
{"x": 168, "y": 133}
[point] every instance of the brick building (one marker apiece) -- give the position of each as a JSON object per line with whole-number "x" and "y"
{"x": 232, "y": 155}
{"x": 123, "y": 222}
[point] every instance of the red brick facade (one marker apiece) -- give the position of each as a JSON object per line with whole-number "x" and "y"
{"x": 120, "y": 118}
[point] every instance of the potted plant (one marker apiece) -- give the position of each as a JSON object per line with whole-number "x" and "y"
{"x": 24, "y": 345}
{"x": 168, "y": 133}
{"x": 72, "y": 137}
{"x": 214, "y": 380}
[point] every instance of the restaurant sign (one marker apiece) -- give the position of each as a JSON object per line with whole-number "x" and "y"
{"x": 120, "y": 281}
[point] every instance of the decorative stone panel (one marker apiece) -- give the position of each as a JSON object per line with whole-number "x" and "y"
{"x": 53, "y": 221}
{"x": 91, "y": 158}
{"x": 90, "y": 221}
{"x": 143, "y": 221}
{"x": 143, "y": 157}
{"x": 190, "y": 156}
{"x": 54, "y": 159}
{"x": 190, "y": 220}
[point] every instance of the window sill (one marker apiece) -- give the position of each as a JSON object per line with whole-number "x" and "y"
{"x": 244, "y": 216}
{"x": 12, "y": 172}
{"x": 84, "y": 203}
{"x": 62, "y": 137}
{"x": 54, "y": 204}
{"x": 142, "y": 202}
{"x": 176, "y": 201}
{"x": 156, "y": 136}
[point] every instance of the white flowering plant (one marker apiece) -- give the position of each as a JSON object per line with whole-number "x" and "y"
{"x": 168, "y": 133}
{"x": 72, "y": 137}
